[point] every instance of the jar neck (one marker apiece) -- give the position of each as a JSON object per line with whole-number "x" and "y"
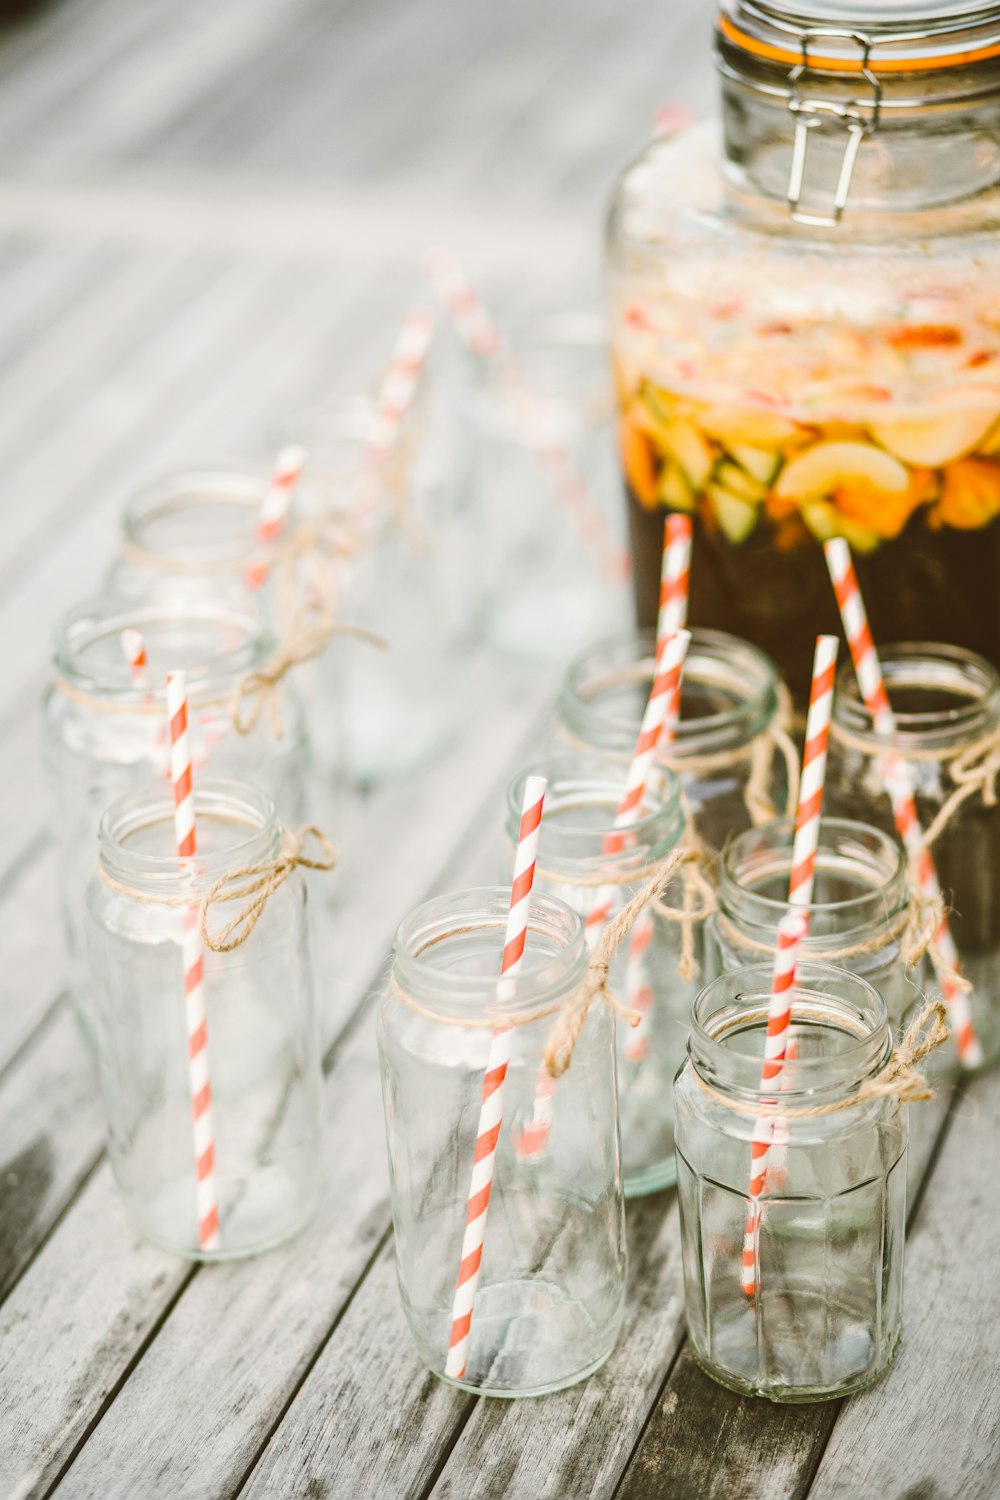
{"x": 579, "y": 838}
{"x": 448, "y": 952}
{"x": 214, "y": 644}
{"x": 861, "y": 884}
{"x": 202, "y": 522}
{"x": 838, "y": 1021}
{"x": 236, "y": 826}
{"x": 943, "y": 699}
{"x": 729, "y": 695}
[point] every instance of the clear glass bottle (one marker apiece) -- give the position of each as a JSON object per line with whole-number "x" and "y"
{"x": 549, "y": 1301}
{"x": 825, "y": 1316}
{"x": 730, "y": 766}
{"x": 946, "y": 703}
{"x": 262, "y": 1044}
{"x": 580, "y": 805}
{"x": 105, "y": 728}
{"x": 383, "y": 561}
{"x": 552, "y": 565}
{"x": 806, "y": 325}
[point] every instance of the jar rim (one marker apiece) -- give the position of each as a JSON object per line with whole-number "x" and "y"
{"x": 448, "y": 993}
{"x": 924, "y": 666}
{"x": 103, "y": 615}
{"x": 713, "y": 656}
{"x": 741, "y": 902}
{"x": 244, "y": 491}
{"x": 229, "y": 802}
{"x": 586, "y": 777}
{"x": 735, "y": 1000}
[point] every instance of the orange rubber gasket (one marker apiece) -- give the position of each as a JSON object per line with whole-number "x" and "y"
{"x": 854, "y": 64}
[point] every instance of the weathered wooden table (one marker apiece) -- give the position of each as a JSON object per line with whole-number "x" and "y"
{"x": 208, "y": 215}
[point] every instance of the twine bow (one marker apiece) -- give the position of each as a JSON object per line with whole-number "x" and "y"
{"x": 901, "y": 1078}
{"x": 308, "y": 638}
{"x": 256, "y": 884}
{"x": 974, "y": 770}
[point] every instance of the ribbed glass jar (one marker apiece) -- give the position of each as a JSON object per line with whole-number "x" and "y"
{"x": 549, "y": 1298}
{"x": 105, "y": 726}
{"x": 583, "y": 860}
{"x": 262, "y": 1048}
{"x": 823, "y": 1313}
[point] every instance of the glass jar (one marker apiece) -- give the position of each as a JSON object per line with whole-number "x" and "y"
{"x": 263, "y": 1065}
{"x": 730, "y": 746}
{"x": 946, "y": 704}
{"x": 105, "y": 729}
{"x": 646, "y": 974}
{"x": 552, "y": 565}
{"x": 381, "y": 563}
{"x": 549, "y": 1300}
{"x": 805, "y": 319}
{"x": 824, "y": 1313}
{"x": 194, "y": 533}
{"x": 860, "y": 917}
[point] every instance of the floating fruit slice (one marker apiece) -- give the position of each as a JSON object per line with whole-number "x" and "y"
{"x": 736, "y": 517}
{"x": 761, "y": 464}
{"x": 970, "y": 494}
{"x": 738, "y": 482}
{"x": 991, "y": 442}
{"x": 739, "y": 424}
{"x": 935, "y": 441}
{"x": 674, "y": 490}
{"x": 826, "y": 522}
{"x": 691, "y": 451}
{"x": 827, "y": 467}
{"x": 637, "y": 460}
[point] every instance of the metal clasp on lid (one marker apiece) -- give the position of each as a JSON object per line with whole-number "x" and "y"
{"x": 859, "y": 119}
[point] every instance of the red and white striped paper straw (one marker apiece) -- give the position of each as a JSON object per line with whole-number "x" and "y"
{"x": 194, "y": 974}
{"x": 811, "y": 786}
{"x": 491, "y": 1109}
{"x": 399, "y": 383}
{"x": 134, "y": 649}
{"x": 675, "y": 577}
{"x": 472, "y": 322}
{"x": 288, "y": 468}
{"x": 899, "y": 786}
{"x": 791, "y": 931}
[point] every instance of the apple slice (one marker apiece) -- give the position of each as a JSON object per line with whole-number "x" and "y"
{"x": 740, "y": 424}
{"x": 739, "y": 482}
{"x": 736, "y": 517}
{"x": 691, "y": 451}
{"x": 935, "y": 441}
{"x": 674, "y": 491}
{"x": 761, "y": 464}
{"x": 825, "y": 467}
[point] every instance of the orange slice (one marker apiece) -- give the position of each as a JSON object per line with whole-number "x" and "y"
{"x": 827, "y": 467}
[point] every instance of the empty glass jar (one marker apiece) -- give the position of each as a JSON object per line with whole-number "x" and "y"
{"x": 105, "y": 725}
{"x": 822, "y": 1316}
{"x": 579, "y": 861}
{"x": 261, "y": 1045}
{"x": 729, "y": 748}
{"x": 548, "y": 1302}
{"x": 946, "y": 703}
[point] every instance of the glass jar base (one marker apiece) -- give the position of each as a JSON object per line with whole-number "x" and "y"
{"x": 242, "y": 1233}
{"x": 788, "y": 1395}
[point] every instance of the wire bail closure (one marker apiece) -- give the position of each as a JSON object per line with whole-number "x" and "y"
{"x": 859, "y": 118}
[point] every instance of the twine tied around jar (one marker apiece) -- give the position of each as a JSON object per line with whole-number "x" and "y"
{"x": 900, "y": 1078}
{"x": 307, "y": 639}
{"x": 974, "y": 770}
{"x": 914, "y": 926}
{"x": 256, "y": 884}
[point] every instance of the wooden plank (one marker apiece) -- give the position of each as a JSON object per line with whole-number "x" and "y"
{"x": 931, "y": 1430}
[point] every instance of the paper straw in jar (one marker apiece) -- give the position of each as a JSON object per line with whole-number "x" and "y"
{"x": 491, "y": 1108}
{"x": 791, "y": 931}
{"x": 273, "y": 514}
{"x": 813, "y": 780}
{"x": 134, "y": 649}
{"x": 194, "y": 973}
{"x": 472, "y": 322}
{"x": 900, "y": 789}
{"x": 398, "y": 386}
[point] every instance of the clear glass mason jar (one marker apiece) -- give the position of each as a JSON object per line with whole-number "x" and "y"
{"x": 806, "y": 325}
{"x": 825, "y": 1317}
{"x": 383, "y": 562}
{"x": 262, "y": 1044}
{"x": 194, "y": 533}
{"x": 105, "y": 730}
{"x": 549, "y": 1301}
{"x": 552, "y": 564}
{"x": 946, "y": 703}
{"x": 727, "y": 750}
{"x": 573, "y": 863}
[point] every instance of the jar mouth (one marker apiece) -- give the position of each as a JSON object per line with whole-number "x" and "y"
{"x": 136, "y": 833}
{"x": 581, "y": 801}
{"x": 734, "y": 1008}
{"x": 219, "y": 506}
{"x": 432, "y": 942}
{"x": 961, "y": 692}
{"x": 848, "y": 852}
{"x": 720, "y": 670}
{"x": 214, "y": 644}
{"x": 341, "y": 481}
